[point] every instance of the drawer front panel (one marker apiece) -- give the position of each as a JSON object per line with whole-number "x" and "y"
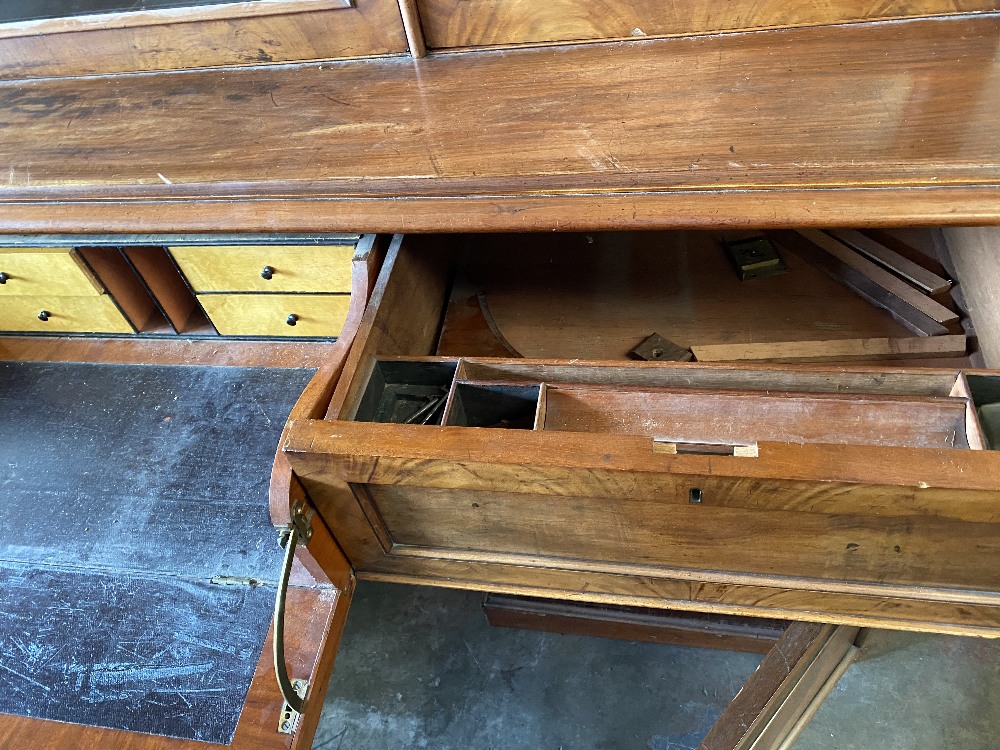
{"x": 266, "y": 268}
{"x": 671, "y": 535}
{"x": 268, "y": 314}
{"x": 470, "y": 23}
{"x": 97, "y": 314}
{"x": 49, "y": 271}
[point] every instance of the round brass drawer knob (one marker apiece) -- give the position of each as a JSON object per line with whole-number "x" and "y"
{"x": 266, "y": 273}
{"x": 292, "y": 319}
{"x": 44, "y": 315}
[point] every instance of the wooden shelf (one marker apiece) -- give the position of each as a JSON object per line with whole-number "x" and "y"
{"x": 860, "y": 125}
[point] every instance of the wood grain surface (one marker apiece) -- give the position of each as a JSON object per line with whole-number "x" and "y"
{"x": 899, "y": 128}
{"x": 167, "y": 350}
{"x": 293, "y": 268}
{"x": 95, "y": 314}
{"x": 53, "y": 271}
{"x": 268, "y": 314}
{"x": 596, "y": 296}
{"x": 371, "y": 27}
{"x": 466, "y": 23}
{"x": 975, "y": 253}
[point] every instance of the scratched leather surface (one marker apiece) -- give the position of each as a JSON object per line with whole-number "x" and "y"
{"x": 124, "y": 491}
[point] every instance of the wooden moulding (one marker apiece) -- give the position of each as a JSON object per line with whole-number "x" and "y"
{"x": 784, "y": 692}
{"x": 236, "y": 34}
{"x": 321, "y": 160}
{"x": 754, "y": 635}
{"x": 312, "y": 404}
{"x": 454, "y": 23}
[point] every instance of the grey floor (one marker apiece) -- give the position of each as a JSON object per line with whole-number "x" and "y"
{"x": 420, "y": 668}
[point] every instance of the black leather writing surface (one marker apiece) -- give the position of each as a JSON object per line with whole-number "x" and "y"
{"x": 129, "y": 494}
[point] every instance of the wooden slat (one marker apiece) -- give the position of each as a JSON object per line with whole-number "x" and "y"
{"x": 645, "y": 135}
{"x": 167, "y": 350}
{"x": 859, "y": 282}
{"x": 753, "y": 598}
{"x": 629, "y": 623}
{"x": 836, "y": 350}
{"x": 936, "y": 312}
{"x": 464, "y": 23}
{"x": 916, "y": 274}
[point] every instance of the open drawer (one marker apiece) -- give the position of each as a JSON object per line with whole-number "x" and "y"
{"x": 860, "y": 495}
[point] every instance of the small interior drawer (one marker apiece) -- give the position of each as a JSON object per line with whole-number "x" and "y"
{"x": 489, "y": 427}
{"x": 51, "y": 314}
{"x": 266, "y": 268}
{"x": 50, "y": 271}
{"x": 321, "y": 315}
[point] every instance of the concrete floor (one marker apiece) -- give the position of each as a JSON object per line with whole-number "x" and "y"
{"x": 419, "y": 667}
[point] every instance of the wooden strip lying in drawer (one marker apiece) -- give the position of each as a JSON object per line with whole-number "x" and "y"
{"x": 96, "y": 314}
{"x": 918, "y": 301}
{"x": 266, "y": 268}
{"x": 835, "y": 350}
{"x": 913, "y": 272}
{"x": 268, "y": 314}
{"x": 465, "y": 23}
{"x": 51, "y": 271}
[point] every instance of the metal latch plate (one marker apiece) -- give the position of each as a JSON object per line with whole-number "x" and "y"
{"x": 289, "y": 719}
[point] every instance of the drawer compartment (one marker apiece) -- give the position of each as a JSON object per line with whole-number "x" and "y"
{"x": 266, "y": 268}
{"x": 857, "y": 495}
{"x": 93, "y": 314}
{"x": 48, "y": 271}
{"x": 277, "y": 314}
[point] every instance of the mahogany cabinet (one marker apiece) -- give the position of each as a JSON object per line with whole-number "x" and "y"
{"x": 860, "y": 494}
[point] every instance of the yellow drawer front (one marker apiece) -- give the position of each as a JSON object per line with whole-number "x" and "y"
{"x": 63, "y": 315}
{"x": 246, "y": 268}
{"x": 45, "y": 271}
{"x": 268, "y": 314}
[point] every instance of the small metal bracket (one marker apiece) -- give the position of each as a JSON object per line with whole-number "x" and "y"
{"x": 655, "y": 348}
{"x": 288, "y": 720}
{"x": 300, "y": 526}
{"x": 754, "y": 258}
